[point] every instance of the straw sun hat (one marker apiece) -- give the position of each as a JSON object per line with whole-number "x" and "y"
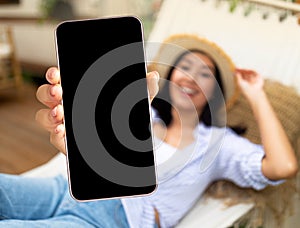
{"x": 178, "y": 44}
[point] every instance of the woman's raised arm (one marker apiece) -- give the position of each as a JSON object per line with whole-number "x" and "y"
{"x": 280, "y": 161}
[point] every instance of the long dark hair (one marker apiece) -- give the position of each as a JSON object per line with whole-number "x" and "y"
{"x": 163, "y": 103}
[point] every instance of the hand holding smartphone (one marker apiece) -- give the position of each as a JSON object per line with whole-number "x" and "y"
{"x": 106, "y": 108}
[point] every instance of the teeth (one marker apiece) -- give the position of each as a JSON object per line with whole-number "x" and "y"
{"x": 188, "y": 90}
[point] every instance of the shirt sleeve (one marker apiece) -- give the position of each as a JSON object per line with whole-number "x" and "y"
{"x": 240, "y": 161}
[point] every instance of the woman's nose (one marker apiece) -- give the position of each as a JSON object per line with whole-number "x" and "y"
{"x": 190, "y": 75}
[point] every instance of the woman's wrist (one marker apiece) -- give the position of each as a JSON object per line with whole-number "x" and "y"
{"x": 256, "y": 98}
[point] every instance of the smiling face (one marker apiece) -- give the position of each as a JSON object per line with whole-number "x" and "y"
{"x": 195, "y": 82}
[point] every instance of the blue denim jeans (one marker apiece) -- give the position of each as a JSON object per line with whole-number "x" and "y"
{"x": 46, "y": 202}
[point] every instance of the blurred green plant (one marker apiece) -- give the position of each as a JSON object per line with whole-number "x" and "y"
{"x": 57, "y": 10}
{"x": 46, "y": 7}
{"x": 234, "y": 3}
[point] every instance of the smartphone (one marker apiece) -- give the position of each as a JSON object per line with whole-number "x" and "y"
{"x": 106, "y": 108}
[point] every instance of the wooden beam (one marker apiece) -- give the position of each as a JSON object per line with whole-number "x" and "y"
{"x": 294, "y": 7}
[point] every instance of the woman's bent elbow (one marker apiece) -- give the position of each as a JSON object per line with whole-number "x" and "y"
{"x": 288, "y": 171}
{"x": 292, "y": 170}
{"x": 280, "y": 171}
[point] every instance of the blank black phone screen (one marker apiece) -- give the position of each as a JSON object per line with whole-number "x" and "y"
{"x": 106, "y": 108}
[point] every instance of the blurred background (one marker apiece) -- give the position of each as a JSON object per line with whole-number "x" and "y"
{"x": 263, "y": 35}
{"x": 259, "y": 34}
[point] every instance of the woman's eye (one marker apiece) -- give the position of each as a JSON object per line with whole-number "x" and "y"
{"x": 184, "y": 68}
{"x": 205, "y": 75}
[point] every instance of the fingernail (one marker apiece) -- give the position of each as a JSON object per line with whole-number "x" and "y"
{"x": 156, "y": 75}
{"x": 57, "y": 73}
{"x": 54, "y": 91}
{"x": 51, "y": 74}
{"x": 58, "y": 129}
{"x": 54, "y": 112}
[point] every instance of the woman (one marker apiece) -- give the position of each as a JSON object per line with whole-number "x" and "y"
{"x": 193, "y": 147}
